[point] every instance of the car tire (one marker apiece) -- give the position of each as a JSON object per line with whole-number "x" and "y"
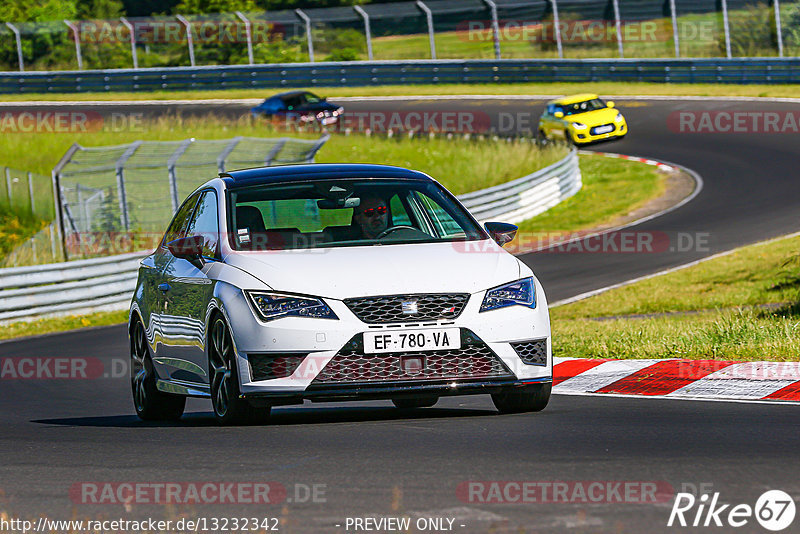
{"x": 532, "y": 398}
{"x": 542, "y": 139}
{"x": 229, "y": 408}
{"x": 415, "y": 402}
{"x": 150, "y": 403}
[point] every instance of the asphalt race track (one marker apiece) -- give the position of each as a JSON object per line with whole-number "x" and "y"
{"x": 376, "y": 461}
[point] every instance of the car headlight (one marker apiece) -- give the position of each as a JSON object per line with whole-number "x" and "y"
{"x": 522, "y": 293}
{"x": 271, "y": 306}
{"x": 578, "y": 125}
{"x": 619, "y": 117}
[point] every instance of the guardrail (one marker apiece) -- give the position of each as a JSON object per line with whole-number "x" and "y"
{"x": 528, "y": 196}
{"x": 360, "y": 73}
{"x": 108, "y": 283}
{"x": 75, "y": 287}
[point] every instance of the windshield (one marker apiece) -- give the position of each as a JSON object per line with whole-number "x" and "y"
{"x": 346, "y": 212}
{"x": 583, "y": 107}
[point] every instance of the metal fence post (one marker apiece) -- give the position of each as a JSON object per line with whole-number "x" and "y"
{"x": 495, "y": 27}
{"x": 62, "y": 235}
{"x": 778, "y": 28}
{"x": 223, "y": 156}
{"x": 618, "y": 24}
{"x": 309, "y": 39}
{"x": 30, "y": 192}
{"x": 248, "y": 35}
{"x": 77, "y": 39}
{"x": 557, "y": 24}
{"x": 123, "y": 199}
{"x": 675, "y": 37}
{"x": 727, "y": 28}
{"x": 8, "y": 185}
{"x": 132, "y": 31}
{"x": 274, "y": 151}
{"x": 19, "y": 45}
{"x": 189, "y": 38}
{"x": 53, "y": 246}
{"x": 429, "y": 16}
{"x": 173, "y": 178}
{"x": 367, "y": 29}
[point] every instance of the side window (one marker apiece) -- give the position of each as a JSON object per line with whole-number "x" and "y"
{"x": 551, "y": 109}
{"x": 205, "y": 223}
{"x": 177, "y": 228}
{"x": 444, "y": 224}
{"x": 399, "y": 214}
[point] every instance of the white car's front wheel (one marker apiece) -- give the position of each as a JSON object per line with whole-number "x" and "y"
{"x": 532, "y": 398}
{"x": 229, "y": 408}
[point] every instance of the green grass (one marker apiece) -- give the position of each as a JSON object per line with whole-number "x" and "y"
{"x": 711, "y": 310}
{"x": 611, "y": 188}
{"x": 741, "y": 335}
{"x": 16, "y": 227}
{"x": 62, "y": 324}
{"x": 553, "y": 88}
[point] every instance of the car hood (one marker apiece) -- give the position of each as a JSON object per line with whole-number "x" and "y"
{"x": 594, "y": 118}
{"x": 342, "y": 272}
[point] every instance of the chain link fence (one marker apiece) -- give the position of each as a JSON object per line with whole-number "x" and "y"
{"x": 119, "y": 198}
{"x": 422, "y": 29}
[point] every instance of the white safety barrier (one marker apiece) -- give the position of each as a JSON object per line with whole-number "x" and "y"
{"x": 107, "y": 283}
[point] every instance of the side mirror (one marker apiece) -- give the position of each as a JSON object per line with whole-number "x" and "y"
{"x": 188, "y": 248}
{"x": 559, "y": 114}
{"x": 502, "y": 233}
{"x": 610, "y": 103}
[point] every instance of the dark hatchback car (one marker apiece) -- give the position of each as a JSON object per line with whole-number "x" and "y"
{"x": 299, "y": 106}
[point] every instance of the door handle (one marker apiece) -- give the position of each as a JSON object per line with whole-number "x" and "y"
{"x": 164, "y": 287}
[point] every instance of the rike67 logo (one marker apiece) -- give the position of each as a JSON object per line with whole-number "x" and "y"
{"x": 774, "y": 510}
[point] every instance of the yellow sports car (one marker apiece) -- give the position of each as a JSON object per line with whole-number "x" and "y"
{"x": 581, "y": 119}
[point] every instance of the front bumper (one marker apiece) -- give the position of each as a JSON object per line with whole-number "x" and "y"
{"x": 391, "y": 391}
{"x": 585, "y": 136}
{"x": 319, "y": 341}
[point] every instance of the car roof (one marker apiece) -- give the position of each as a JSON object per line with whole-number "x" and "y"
{"x": 315, "y": 172}
{"x": 572, "y": 99}
{"x": 289, "y": 93}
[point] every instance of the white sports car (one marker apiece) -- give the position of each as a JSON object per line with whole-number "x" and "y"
{"x": 328, "y": 283}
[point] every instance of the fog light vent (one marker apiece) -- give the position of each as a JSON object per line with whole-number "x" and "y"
{"x": 532, "y": 352}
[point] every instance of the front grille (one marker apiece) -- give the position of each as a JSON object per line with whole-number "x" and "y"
{"x": 271, "y": 366}
{"x": 532, "y": 352}
{"x": 352, "y": 366}
{"x": 407, "y": 308}
{"x": 594, "y": 130}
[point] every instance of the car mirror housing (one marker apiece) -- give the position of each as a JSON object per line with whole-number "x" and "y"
{"x": 610, "y": 103}
{"x": 502, "y": 233}
{"x": 188, "y": 248}
{"x": 559, "y": 114}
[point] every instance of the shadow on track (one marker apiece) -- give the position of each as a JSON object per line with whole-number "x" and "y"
{"x": 280, "y": 417}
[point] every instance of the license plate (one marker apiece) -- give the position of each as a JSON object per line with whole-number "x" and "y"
{"x": 603, "y": 129}
{"x": 412, "y": 340}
